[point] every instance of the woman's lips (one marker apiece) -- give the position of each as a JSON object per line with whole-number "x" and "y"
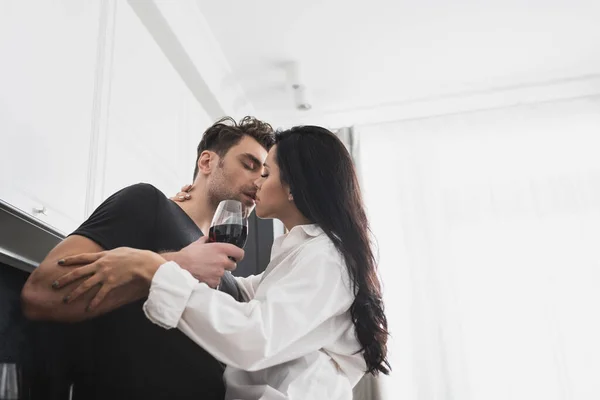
{"x": 252, "y": 197}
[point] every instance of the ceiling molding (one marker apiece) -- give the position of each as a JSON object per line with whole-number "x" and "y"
{"x": 500, "y": 97}
{"x": 184, "y": 36}
{"x": 101, "y": 105}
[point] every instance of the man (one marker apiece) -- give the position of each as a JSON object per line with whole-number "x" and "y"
{"x": 120, "y": 354}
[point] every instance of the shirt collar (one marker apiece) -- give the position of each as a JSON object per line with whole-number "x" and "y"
{"x": 311, "y": 230}
{"x": 295, "y": 237}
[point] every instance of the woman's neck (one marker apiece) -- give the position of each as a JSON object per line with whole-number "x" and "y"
{"x": 293, "y": 220}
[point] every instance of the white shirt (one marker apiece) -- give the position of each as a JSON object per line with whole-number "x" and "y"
{"x": 293, "y": 339}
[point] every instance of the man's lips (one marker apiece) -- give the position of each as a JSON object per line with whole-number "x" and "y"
{"x": 252, "y": 196}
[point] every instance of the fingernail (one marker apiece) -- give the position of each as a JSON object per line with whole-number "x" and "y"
{"x": 55, "y": 284}
{"x": 180, "y": 197}
{"x": 61, "y": 261}
{"x": 66, "y": 299}
{"x": 187, "y": 196}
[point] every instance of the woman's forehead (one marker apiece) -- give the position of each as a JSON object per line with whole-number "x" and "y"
{"x": 272, "y": 154}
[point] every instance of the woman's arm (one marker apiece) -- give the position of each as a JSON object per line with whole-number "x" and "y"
{"x": 44, "y": 301}
{"x": 109, "y": 271}
{"x": 294, "y": 316}
{"x": 248, "y": 285}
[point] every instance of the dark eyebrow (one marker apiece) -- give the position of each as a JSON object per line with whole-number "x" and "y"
{"x": 251, "y": 158}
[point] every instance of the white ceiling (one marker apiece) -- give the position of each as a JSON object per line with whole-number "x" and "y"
{"x": 357, "y": 55}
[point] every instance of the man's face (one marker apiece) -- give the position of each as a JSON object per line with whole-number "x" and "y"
{"x": 235, "y": 174}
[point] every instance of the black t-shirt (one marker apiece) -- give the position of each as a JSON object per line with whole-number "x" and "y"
{"x": 122, "y": 355}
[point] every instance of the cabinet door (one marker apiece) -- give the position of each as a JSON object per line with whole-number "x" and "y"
{"x": 48, "y": 53}
{"x": 154, "y": 121}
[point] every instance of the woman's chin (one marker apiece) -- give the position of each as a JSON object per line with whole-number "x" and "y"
{"x": 261, "y": 213}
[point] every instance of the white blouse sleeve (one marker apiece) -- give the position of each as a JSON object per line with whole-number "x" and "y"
{"x": 298, "y": 314}
{"x": 248, "y": 285}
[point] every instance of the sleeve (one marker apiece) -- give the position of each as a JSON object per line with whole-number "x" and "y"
{"x": 248, "y": 285}
{"x": 127, "y": 218}
{"x": 297, "y": 315}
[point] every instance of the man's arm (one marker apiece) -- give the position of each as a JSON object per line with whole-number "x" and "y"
{"x": 42, "y": 302}
{"x": 126, "y": 218}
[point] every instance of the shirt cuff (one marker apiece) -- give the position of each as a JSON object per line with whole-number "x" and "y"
{"x": 170, "y": 291}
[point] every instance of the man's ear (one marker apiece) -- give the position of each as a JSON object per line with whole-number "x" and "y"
{"x": 207, "y": 161}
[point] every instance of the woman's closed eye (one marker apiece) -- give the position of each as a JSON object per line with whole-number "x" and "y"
{"x": 264, "y": 175}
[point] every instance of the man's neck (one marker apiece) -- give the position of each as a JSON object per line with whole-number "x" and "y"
{"x": 199, "y": 209}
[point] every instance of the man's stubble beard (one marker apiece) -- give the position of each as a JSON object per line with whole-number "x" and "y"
{"x": 218, "y": 189}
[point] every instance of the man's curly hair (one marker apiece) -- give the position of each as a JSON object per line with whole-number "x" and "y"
{"x": 226, "y": 133}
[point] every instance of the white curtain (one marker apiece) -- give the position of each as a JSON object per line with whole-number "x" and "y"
{"x": 488, "y": 226}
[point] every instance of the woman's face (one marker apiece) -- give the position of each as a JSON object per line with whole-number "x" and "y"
{"x": 273, "y": 197}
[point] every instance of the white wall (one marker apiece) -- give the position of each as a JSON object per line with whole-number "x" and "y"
{"x": 48, "y": 53}
{"x": 88, "y": 105}
{"x": 154, "y": 122}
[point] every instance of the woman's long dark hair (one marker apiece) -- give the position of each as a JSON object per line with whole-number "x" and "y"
{"x": 319, "y": 171}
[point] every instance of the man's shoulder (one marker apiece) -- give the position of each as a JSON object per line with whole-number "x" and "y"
{"x": 139, "y": 189}
{"x": 136, "y": 197}
{"x": 126, "y": 214}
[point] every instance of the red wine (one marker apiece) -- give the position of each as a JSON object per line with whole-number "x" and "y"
{"x": 228, "y": 233}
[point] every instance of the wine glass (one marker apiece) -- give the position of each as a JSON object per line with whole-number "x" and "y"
{"x": 9, "y": 381}
{"x": 229, "y": 224}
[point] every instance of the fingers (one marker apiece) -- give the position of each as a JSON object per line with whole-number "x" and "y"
{"x": 230, "y": 250}
{"x": 104, "y": 290}
{"x": 232, "y": 265}
{"x": 181, "y": 196}
{"x": 84, "y": 287}
{"x": 73, "y": 276}
{"x": 234, "y": 252}
{"x": 85, "y": 258}
{"x": 202, "y": 239}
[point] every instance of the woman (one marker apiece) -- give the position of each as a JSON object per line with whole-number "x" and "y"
{"x": 314, "y": 322}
